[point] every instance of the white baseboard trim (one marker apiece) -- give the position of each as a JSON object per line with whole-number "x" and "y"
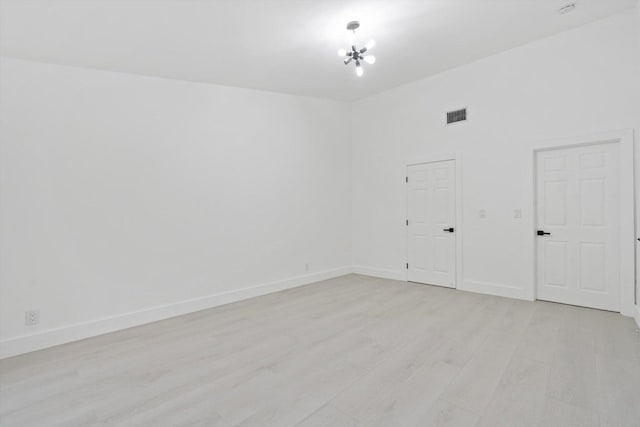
{"x": 636, "y": 315}
{"x": 467, "y": 285}
{"x": 380, "y": 272}
{"x": 494, "y": 289}
{"x": 52, "y": 337}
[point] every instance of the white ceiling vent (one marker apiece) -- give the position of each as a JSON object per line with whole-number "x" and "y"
{"x": 457, "y": 116}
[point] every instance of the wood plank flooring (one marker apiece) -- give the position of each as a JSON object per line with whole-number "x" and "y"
{"x": 352, "y": 351}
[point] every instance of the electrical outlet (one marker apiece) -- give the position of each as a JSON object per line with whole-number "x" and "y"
{"x": 307, "y": 266}
{"x": 31, "y": 317}
{"x": 482, "y": 213}
{"x": 517, "y": 213}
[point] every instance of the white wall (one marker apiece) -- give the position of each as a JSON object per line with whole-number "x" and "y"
{"x": 637, "y": 56}
{"x": 122, "y": 193}
{"x": 574, "y": 83}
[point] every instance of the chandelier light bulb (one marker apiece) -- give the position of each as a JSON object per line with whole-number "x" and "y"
{"x": 359, "y": 71}
{"x": 370, "y": 44}
{"x": 370, "y": 59}
{"x": 342, "y": 52}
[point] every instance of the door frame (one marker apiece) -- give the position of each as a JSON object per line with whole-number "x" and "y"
{"x": 624, "y": 139}
{"x": 436, "y": 158}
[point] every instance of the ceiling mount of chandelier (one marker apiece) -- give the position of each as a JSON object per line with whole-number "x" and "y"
{"x": 355, "y": 55}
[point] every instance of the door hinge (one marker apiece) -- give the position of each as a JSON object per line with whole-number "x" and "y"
{"x": 407, "y": 266}
{"x": 406, "y": 179}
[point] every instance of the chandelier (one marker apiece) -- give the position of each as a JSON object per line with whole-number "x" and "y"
{"x": 356, "y": 55}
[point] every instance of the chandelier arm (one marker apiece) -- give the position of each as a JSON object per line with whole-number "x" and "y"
{"x": 363, "y": 50}
{"x": 346, "y": 61}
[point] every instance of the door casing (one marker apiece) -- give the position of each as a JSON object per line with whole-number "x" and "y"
{"x": 626, "y": 214}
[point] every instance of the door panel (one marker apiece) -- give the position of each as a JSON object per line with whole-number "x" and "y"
{"x": 555, "y": 257}
{"x": 555, "y": 194}
{"x": 577, "y": 203}
{"x": 593, "y": 266}
{"x": 431, "y": 210}
{"x": 592, "y": 202}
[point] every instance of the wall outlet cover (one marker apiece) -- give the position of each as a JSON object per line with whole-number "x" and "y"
{"x": 31, "y": 317}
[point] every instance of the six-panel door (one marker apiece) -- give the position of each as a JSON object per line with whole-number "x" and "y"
{"x": 431, "y": 223}
{"x": 577, "y": 203}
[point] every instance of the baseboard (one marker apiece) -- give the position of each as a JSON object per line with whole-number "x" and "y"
{"x": 380, "y": 272}
{"x": 636, "y": 315}
{"x": 468, "y": 285}
{"x": 494, "y": 289}
{"x": 52, "y": 337}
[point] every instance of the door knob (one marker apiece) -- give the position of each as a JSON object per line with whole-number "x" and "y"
{"x": 542, "y": 233}
{"x": 450, "y": 229}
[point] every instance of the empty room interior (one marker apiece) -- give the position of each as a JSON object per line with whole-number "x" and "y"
{"x": 319, "y": 213}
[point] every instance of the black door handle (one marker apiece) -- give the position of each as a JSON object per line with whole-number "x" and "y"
{"x": 542, "y": 233}
{"x": 450, "y": 229}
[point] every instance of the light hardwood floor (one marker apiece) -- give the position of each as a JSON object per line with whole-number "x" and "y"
{"x": 352, "y": 351}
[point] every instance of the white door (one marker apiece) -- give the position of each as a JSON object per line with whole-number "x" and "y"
{"x": 431, "y": 223}
{"x": 577, "y": 205}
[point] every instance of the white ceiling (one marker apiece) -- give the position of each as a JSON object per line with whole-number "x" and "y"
{"x": 281, "y": 45}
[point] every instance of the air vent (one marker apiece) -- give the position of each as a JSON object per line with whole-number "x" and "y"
{"x": 567, "y": 8}
{"x": 457, "y": 116}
